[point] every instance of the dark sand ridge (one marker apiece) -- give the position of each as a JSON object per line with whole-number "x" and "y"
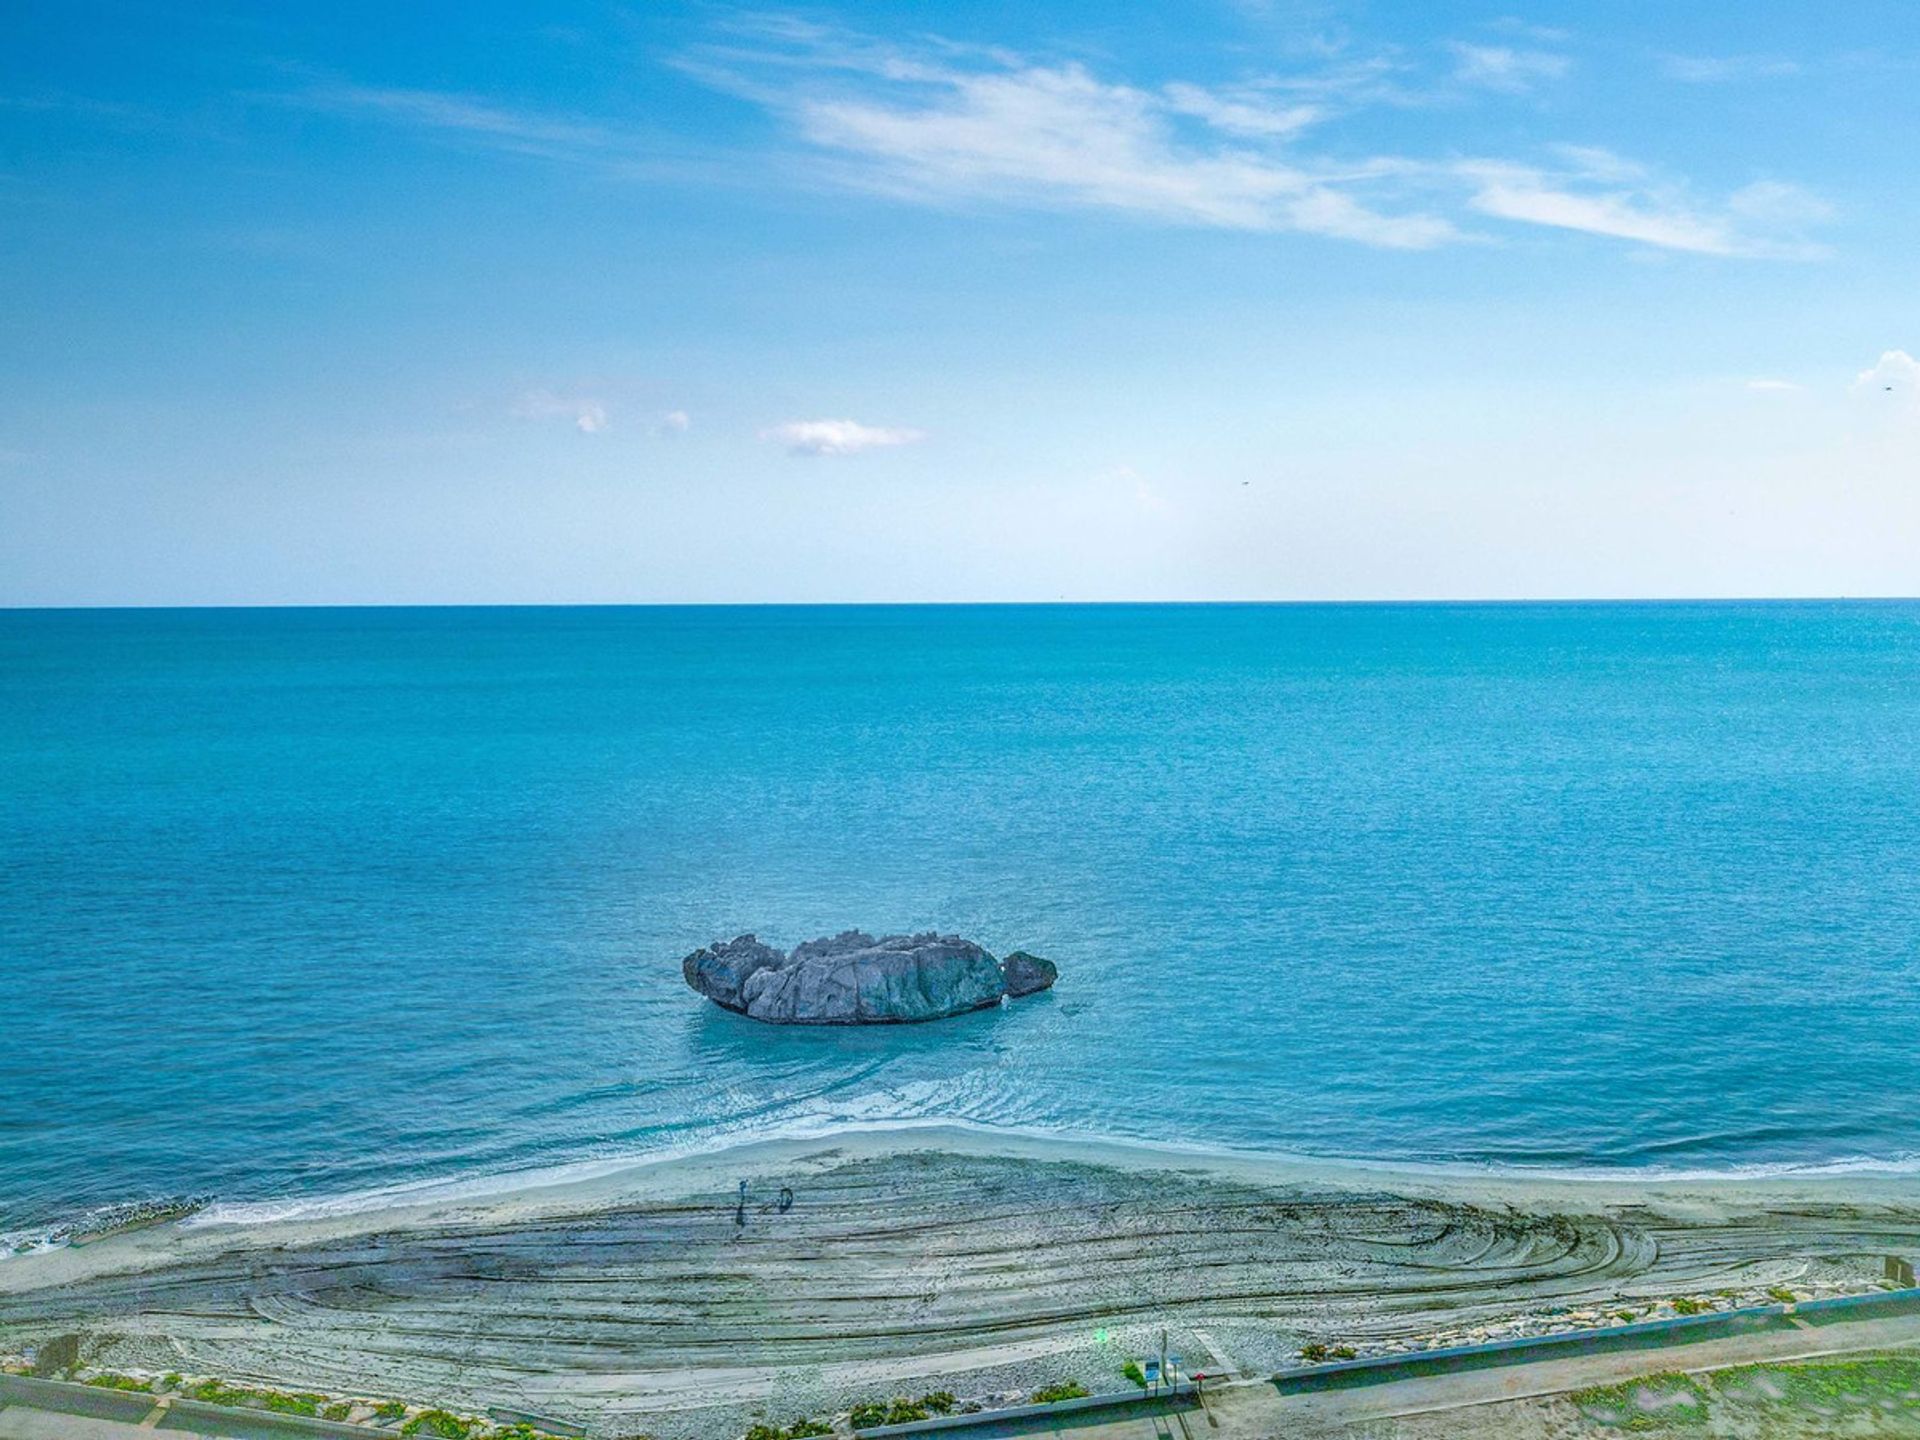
{"x": 636, "y": 1302}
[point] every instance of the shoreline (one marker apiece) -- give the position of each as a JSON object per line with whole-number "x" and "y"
{"x": 579, "y": 1187}
{"x": 545, "y": 1196}
{"x": 925, "y": 1257}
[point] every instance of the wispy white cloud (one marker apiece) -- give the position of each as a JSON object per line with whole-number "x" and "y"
{"x": 531, "y": 133}
{"x": 1545, "y": 34}
{"x": 610, "y": 147}
{"x": 1247, "y": 113}
{"x": 677, "y": 421}
{"x": 948, "y": 124}
{"x": 1725, "y": 69}
{"x": 1502, "y": 67}
{"x": 839, "y": 437}
{"x": 589, "y": 416}
{"x": 1599, "y": 194}
{"x": 1060, "y": 137}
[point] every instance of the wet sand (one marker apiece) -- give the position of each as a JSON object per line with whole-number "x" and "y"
{"x": 916, "y": 1259}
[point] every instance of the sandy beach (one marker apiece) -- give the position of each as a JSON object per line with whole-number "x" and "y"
{"x": 908, "y": 1259}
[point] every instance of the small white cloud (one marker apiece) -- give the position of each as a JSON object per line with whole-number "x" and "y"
{"x": 589, "y": 417}
{"x": 839, "y": 437}
{"x": 1897, "y": 371}
{"x": 677, "y": 421}
{"x": 1500, "y": 67}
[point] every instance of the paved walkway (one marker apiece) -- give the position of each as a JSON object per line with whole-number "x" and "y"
{"x": 1258, "y": 1411}
{"x": 1245, "y": 1410}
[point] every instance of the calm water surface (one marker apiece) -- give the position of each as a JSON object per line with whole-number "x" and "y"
{"x": 308, "y": 903}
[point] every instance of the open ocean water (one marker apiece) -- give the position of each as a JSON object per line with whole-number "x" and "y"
{"x": 300, "y": 904}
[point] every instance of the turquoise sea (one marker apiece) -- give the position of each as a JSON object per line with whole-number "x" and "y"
{"x": 305, "y": 904}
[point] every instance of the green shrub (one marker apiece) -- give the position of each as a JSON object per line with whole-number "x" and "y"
{"x": 1313, "y": 1352}
{"x": 1065, "y": 1390}
{"x": 940, "y": 1402}
{"x": 867, "y": 1414}
{"x": 440, "y": 1423}
{"x": 339, "y": 1410}
{"x": 116, "y": 1382}
{"x": 1683, "y": 1305}
{"x": 170, "y": 1382}
{"x": 903, "y": 1410}
{"x": 1782, "y": 1294}
{"x": 802, "y": 1429}
{"x": 239, "y": 1397}
{"x": 389, "y": 1410}
{"x": 1134, "y": 1373}
{"x": 763, "y": 1432}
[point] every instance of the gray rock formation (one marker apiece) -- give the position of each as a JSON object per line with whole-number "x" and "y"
{"x": 1027, "y": 974}
{"x": 721, "y": 971}
{"x": 854, "y": 979}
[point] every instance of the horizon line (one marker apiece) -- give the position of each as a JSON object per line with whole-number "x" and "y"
{"x": 1062, "y": 604}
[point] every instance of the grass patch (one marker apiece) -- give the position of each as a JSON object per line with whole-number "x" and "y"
{"x": 1654, "y": 1402}
{"x": 389, "y": 1410}
{"x": 1134, "y": 1373}
{"x": 1782, "y": 1294}
{"x": 117, "y": 1382}
{"x": 339, "y": 1410}
{"x": 1685, "y": 1305}
{"x": 1868, "y": 1385}
{"x": 1830, "y": 1385}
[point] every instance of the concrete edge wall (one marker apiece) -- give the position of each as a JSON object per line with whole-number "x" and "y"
{"x": 1646, "y": 1334}
{"x": 1108, "y": 1400}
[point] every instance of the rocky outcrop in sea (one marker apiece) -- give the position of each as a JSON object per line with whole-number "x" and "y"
{"x": 853, "y": 979}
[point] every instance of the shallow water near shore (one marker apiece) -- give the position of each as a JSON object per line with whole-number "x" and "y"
{"x": 307, "y": 904}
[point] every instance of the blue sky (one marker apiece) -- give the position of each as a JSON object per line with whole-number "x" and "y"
{"x": 1239, "y": 299}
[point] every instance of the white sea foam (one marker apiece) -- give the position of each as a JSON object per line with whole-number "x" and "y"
{"x": 846, "y": 1123}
